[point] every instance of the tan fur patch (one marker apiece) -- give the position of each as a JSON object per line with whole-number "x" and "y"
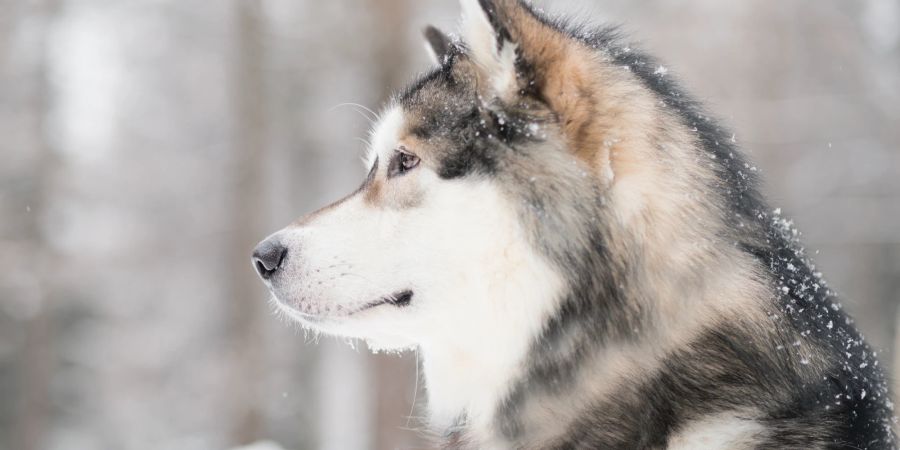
{"x": 606, "y": 116}
{"x": 372, "y": 193}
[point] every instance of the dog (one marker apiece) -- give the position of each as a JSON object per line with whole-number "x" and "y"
{"x": 581, "y": 256}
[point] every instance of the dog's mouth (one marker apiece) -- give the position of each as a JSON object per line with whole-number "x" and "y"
{"x": 399, "y": 299}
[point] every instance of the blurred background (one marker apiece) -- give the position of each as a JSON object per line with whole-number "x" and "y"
{"x": 147, "y": 145}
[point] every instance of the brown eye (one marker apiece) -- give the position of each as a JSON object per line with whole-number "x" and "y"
{"x": 408, "y": 161}
{"x": 402, "y": 162}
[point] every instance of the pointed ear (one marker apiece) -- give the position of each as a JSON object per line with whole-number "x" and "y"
{"x": 438, "y": 44}
{"x": 489, "y": 43}
{"x": 519, "y": 56}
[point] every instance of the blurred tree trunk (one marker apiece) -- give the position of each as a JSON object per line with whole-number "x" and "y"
{"x": 395, "y": 380}
{"x": 36, "y": 368}
{"x": 250, "y": 152}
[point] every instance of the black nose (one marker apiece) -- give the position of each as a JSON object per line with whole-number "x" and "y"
{"x": 268, "y": 257}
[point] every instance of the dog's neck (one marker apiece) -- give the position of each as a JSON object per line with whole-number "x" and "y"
{"x": 470, "y": 363}
{"x": 466, "y": 381}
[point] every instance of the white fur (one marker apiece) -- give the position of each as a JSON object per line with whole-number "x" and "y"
{"x": 385, "y": 134}
{"x": 498, "y": 66}
{"x": 495, "y": 314}
{"x": 723, "y": 431}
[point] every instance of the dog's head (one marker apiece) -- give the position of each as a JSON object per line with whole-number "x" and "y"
{"x": 478, "y": 190}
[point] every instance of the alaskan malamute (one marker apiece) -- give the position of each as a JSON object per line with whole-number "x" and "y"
{"x": 581, "y": 256}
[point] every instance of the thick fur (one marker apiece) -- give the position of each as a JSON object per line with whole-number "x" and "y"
{"x": 583, "y": 259}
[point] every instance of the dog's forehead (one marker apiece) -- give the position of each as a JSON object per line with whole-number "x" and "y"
{"x": 435, "y": 105}
{"x": 438, "y": 100}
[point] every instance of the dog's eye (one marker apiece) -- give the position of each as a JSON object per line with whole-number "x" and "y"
{"x": 402, "y": 162}
{"x": 408, "y": 161}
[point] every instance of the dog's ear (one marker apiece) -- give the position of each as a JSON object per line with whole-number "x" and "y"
{"x": 489, "y": 43}
{"x": 510, "y": 46}
{"x": 520, "y": 57}
{"x": 438, "y": 44}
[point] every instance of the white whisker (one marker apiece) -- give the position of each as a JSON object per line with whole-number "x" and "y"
{"x": 412, "y": 407}
{"x": 367, "y": 113}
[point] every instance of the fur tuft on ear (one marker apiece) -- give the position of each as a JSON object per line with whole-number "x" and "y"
{"x": 490, "y": 46}
{"x": 519, "y": 58}
{"x": 438, "y": 44}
